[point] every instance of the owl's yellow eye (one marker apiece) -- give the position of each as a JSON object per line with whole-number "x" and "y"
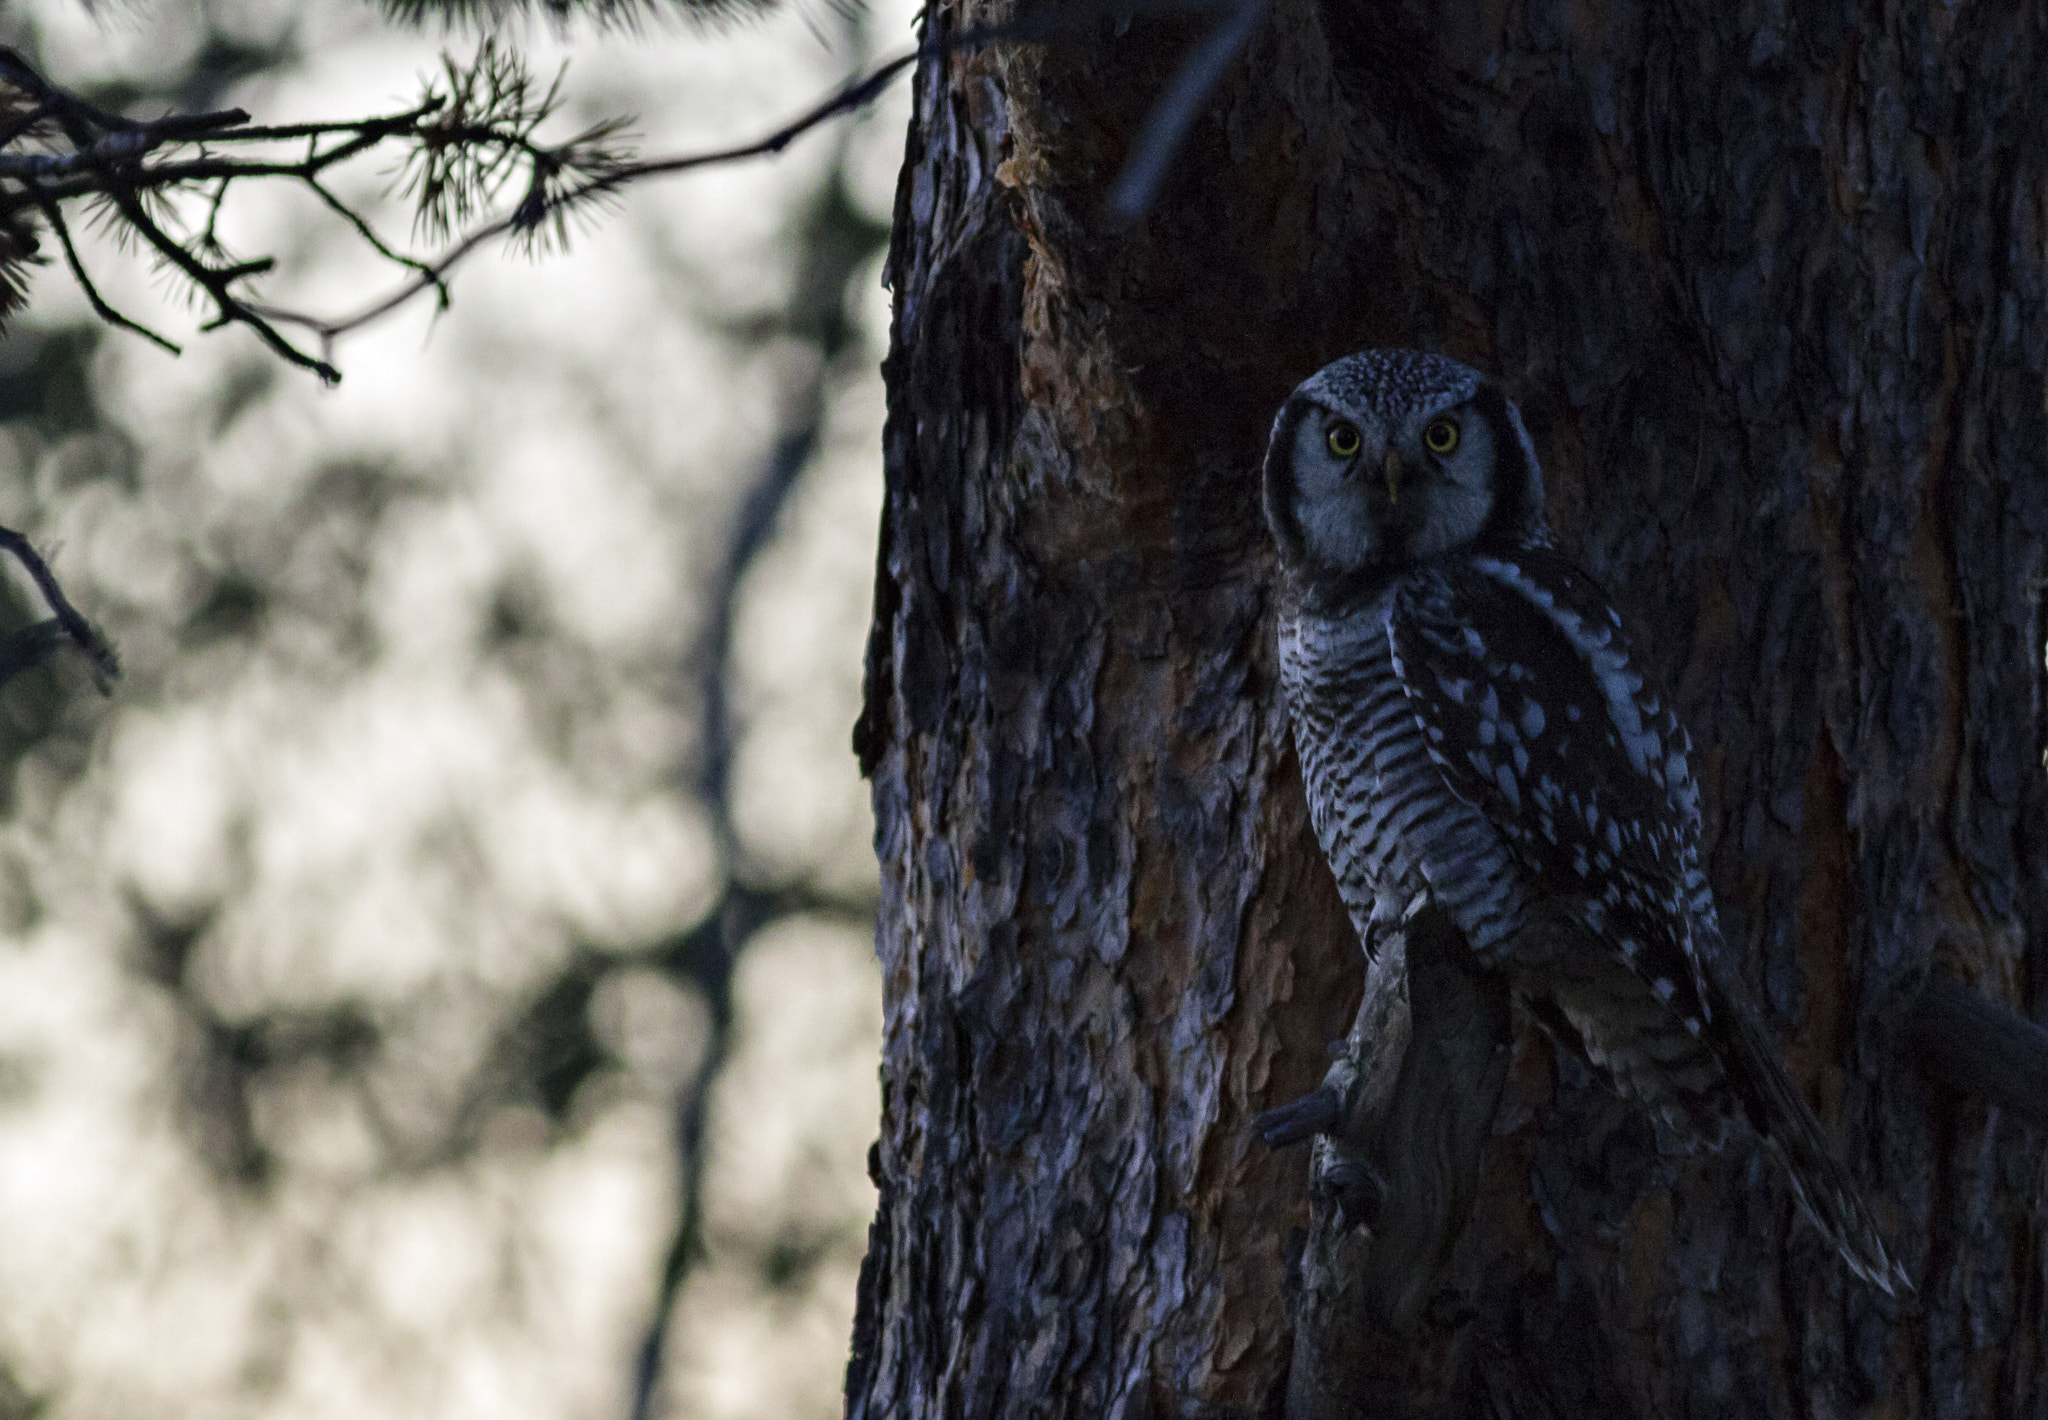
{"x": 1440, "y": 436}
{"x": 1343, "y": 439}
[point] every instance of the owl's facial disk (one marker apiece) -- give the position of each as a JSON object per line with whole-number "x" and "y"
{"x": 1350, "y": 493}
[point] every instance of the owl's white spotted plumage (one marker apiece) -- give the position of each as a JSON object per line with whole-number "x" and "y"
{"x": 1475, "y": 732}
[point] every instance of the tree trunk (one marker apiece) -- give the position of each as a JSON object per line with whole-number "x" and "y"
{"x": 1770, "y": 291}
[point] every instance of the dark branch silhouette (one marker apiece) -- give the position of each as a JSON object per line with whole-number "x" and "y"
{"x": 470, "y": 138}
{"x": 32, "y": 645}
{"x": 836, "y": 243}
{"x": 470, "y": 134}
{"x": 1138, "y": 184}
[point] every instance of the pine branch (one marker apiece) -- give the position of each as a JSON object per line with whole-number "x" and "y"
{"x": 621, "y": 14}
{"x": 472, "y": 138}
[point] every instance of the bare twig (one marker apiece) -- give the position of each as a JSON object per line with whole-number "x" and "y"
{"x": 464, "y": 141}
{"x": 215, "y": 281}
{"x": 470, "y": 136}
{"x": 850, "y": 96}
{"x": 65, "y": 107}
{"x": 33, "y": 644}
{"x": 55, "y": 216}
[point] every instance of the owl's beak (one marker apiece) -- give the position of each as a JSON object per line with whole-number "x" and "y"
{"x": 1393, "y": 471}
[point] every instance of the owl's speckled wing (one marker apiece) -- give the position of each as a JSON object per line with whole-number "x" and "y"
{"x": 1534, "y": 712}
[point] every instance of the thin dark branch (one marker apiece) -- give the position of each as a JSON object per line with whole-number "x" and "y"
{"x": 91, "y": 180}
{"x": 471, "y": 137}
{"x": 435, "y": 276}
{"x": 179, "y": 127}
{"x": 737, "y": 924}
{"x": 742, "y": 914}
{"x": 370, "y": 237}
{"x": 215, "y": 282}
{"x": 1168, "y": 123}
{"x": 67, "y": 108}
{"x": 850, "y": 96}
{"x": 28, "y": 647}
{"x": 209, "y": 238}
{"x": 686, "y": 1244}
{"x": 55, "y": 216}
{"x": 384, "y": 126}
{"x": 828, "y": 262}
{"x": 20, "y": 127}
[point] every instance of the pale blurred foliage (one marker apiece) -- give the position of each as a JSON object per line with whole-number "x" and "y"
{"x": 403, "y": 763}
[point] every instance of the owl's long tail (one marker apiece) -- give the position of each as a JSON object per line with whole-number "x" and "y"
{"x": 1781, "y": 1118}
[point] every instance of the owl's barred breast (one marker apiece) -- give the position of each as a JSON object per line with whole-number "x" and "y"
{"x": 1388, "y": 823}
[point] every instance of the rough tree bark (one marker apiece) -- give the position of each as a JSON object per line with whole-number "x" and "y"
{"x": 1770, "y": 289}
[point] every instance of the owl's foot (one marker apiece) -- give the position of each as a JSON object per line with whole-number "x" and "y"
{"x": 1316, "y": 1112}
{"x": 1352, "y": 1191}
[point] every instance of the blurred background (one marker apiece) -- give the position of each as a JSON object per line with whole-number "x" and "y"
{"x": 439, "y": 981}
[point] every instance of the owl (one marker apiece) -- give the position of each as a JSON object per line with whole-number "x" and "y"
{"x": 1475, "y": 734}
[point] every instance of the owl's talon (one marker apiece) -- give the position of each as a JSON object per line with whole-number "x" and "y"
{"x": 1316, "y": 1112}
{"x": 1351, "y": 1189}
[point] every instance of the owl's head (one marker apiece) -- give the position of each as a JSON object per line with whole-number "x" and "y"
{"x": 1391, "y": 457}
